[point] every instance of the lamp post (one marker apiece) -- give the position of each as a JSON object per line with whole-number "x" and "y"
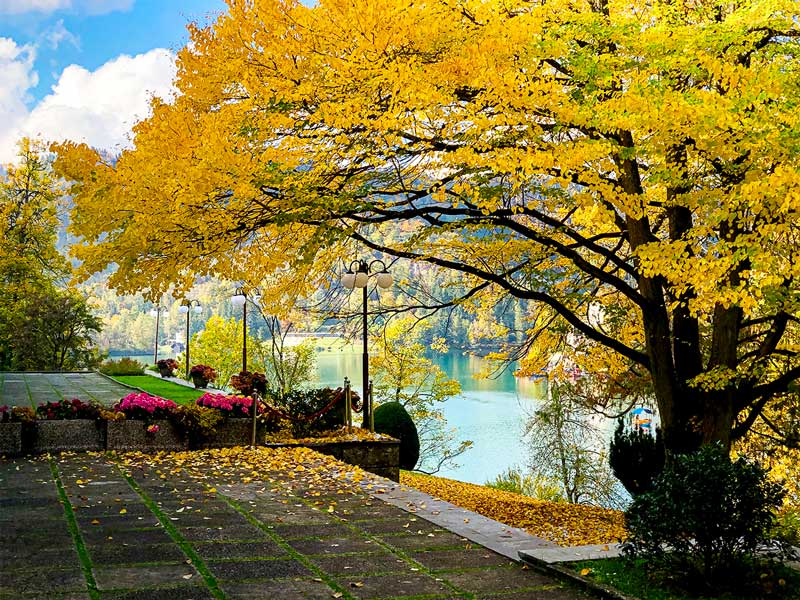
{"x": 357, "y": 276}
{"x": 239, "y": 298}
{"x": 156, "y": 312}
{"x": 185, "y": 308}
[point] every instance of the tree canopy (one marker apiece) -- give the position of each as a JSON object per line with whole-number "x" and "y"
{"x": 630, "y": 167}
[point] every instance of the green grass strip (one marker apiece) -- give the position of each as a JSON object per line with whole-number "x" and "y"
{"x": 183, "y": 544}
{"x": 180, "y": 394}
{"x": 77, "y": 538}
{"x": 327, "y": 579}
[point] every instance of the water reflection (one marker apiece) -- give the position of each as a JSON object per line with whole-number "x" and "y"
{"x": 490, "y": 412}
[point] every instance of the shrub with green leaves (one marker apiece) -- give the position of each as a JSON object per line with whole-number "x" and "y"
{"x": 514, "y": 480}
{"x": 704, "y": 518}
{"x": 310, "y": 410}
{"x": 636, "y": 458}
{"x": 123, "y": 366}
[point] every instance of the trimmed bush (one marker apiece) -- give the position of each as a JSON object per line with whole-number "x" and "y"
{"x": 636, "y": 458}
{"x": 393, "y": 419}
{"x": 123, "y": 366}
{"x": 704, "y": 519}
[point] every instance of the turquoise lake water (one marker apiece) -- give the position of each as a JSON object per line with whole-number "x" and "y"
{"x": 490, "y": 412}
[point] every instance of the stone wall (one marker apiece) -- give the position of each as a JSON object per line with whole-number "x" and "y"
{"x": 379, "y": 457}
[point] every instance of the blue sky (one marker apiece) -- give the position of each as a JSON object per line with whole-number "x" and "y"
{"x": 85, "y": 68}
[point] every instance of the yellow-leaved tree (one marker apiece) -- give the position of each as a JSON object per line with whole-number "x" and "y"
{"x": 633, "y": 167}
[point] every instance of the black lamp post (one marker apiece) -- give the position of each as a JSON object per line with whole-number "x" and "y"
{"x": 156, "y": 312}
{"x": 185, "y": 308}
{"x": 357, "y": 276}
{"x": 239, "y": 298}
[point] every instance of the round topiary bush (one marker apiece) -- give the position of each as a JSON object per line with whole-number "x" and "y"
{"x": 393, "y": 419}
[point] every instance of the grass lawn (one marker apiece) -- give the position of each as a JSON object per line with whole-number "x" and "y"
{"x": 158, "y": 387}
{"x": 630, "y": 578}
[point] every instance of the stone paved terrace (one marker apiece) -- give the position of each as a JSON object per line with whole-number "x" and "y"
{"x": 31, "y": 389}
{"x": 83, "y": 526}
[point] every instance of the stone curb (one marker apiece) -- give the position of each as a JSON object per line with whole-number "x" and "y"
{"x": 565, "y": 574}
{"x": 491, "y": 534}
{"x": 563, "y": 554}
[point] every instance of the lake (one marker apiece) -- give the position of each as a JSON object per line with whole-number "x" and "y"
{"x": 490, "y": 412}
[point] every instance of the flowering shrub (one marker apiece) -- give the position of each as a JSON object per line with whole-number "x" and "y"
{"x": 233, "y": 406}
{"x": 246, "y": 383}
{"x": 68, "y": 409}
{"x": 204, "y": 372}
{"x": 17, "y": 414}
{"x": 145, "y": 407}
{"x": 167, "y": 364}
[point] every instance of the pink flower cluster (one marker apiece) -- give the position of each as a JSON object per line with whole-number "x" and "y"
{"x": 237, "y": 406}
{"x": 136, "y": 404}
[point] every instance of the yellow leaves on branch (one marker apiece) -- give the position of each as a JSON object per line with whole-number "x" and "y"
{"x": 288, "y": 117}
{"x": 564, "y": 524}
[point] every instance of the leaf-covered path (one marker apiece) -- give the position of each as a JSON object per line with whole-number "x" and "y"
{"x": 231, "y": 524}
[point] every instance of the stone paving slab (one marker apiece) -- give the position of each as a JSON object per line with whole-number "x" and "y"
{"x": 141, "y": 533}
{"x": 32, "y": 389}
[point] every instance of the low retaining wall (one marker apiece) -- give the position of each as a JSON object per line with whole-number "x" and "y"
{"x": 379, "y": 457}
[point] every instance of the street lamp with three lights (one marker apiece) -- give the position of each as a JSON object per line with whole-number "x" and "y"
{"x": 357, "y": 276}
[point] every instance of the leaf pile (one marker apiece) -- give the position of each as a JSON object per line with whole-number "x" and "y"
{"x": 296, "y": 467}
{"x": 355, "y": 434}
{"x": 562, "y": 523}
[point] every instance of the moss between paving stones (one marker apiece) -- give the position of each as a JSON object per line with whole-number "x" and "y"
{"x": 195, "y": 559}
{"x": 80, "y": 547}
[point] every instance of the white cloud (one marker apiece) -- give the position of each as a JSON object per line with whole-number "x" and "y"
{"x": 91, "y": 7}
{"x": 58, "y": 34}
{"x": 17, "y": 77}
{"x": 97, "y": 107}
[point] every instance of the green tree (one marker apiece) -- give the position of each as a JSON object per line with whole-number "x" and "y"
{"x": 43, "y": 323}
{"x": 219, "y": 345}
{"x": 54, "y": 332}
{"x": 287, "y": 367}
{"x": 403, "y": 374}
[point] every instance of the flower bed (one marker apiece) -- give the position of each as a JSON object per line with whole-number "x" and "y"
{"x": 231, "y": 406}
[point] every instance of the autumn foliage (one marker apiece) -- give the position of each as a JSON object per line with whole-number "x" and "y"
{"x": 630, "y": 168}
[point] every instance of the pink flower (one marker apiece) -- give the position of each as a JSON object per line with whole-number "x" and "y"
{"x": 152, "y": 428}
{"x": 233, "y": 405}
